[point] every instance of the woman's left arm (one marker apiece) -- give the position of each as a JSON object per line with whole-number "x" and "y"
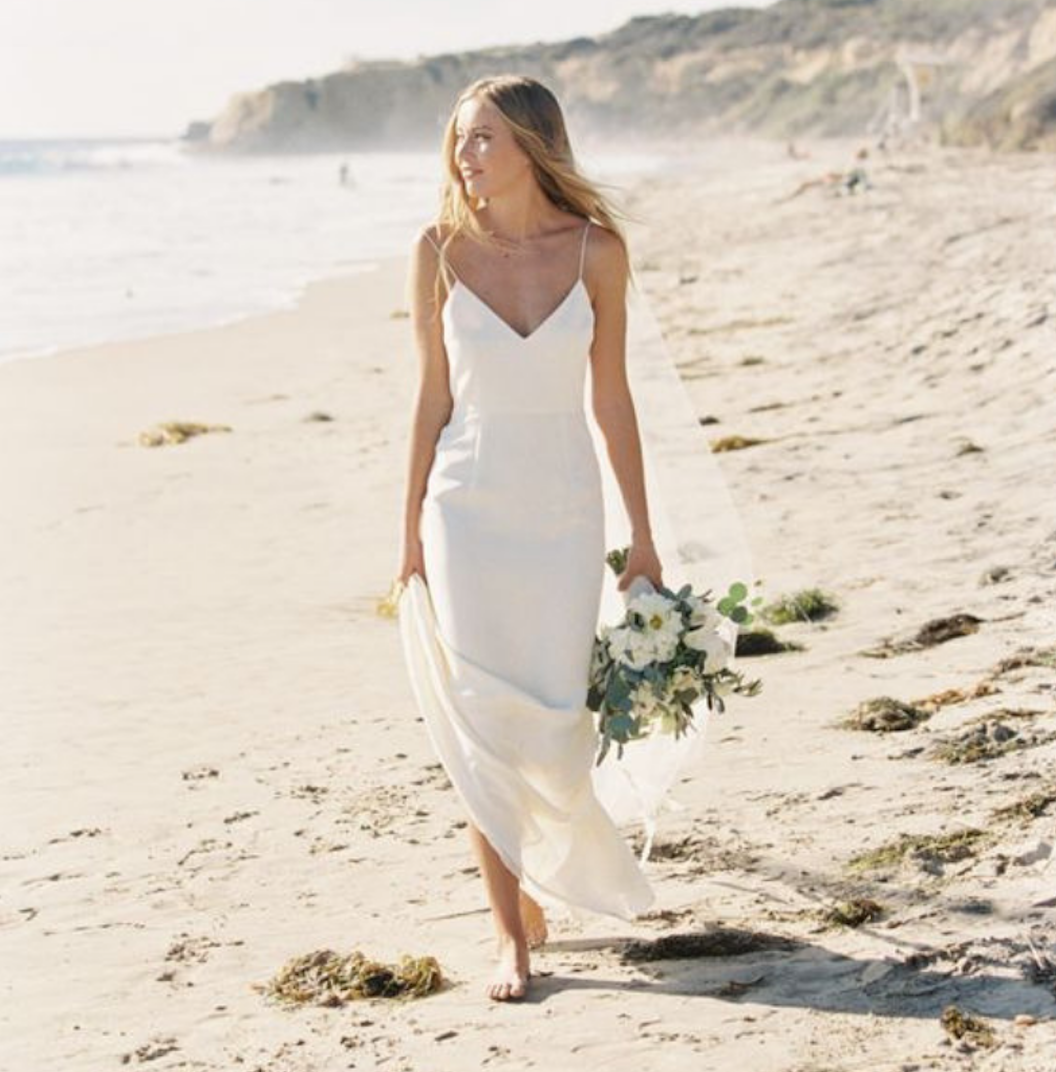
{"x": 612, "y": 403}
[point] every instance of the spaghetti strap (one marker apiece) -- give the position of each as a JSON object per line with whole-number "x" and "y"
{"x": 443, "y": 260}
{"x": 583, "y": 248}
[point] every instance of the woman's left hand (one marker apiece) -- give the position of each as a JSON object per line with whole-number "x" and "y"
{"x": 642, "y": 561}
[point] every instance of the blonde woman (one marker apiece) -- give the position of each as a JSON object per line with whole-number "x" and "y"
{"x": 517, "y": 292}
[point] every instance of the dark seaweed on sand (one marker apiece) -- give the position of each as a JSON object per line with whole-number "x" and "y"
{"x": 717, "y": 942}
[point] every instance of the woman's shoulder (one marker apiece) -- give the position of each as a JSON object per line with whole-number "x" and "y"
{"x": 430, "y": 232}
{"x": 605, "y": 245}
{"x": 599, "y": 231}
{"x": 434, "y": 231}
{"x": 606, "y": 249}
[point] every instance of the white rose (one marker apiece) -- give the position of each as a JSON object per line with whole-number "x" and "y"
{"x": 617, "y": 640}
{"x": 715, "y": 648}
{"x": 639, "y": 652}
{"x": 702, "y": 612}
{"x": 663, "y": 646}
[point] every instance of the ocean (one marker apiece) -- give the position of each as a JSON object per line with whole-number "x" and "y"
{"x": 107, "y": 239}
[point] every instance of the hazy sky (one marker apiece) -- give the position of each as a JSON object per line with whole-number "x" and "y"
{"x": 148, "y": 67}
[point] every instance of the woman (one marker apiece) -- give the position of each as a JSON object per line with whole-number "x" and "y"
{"x": 502, "y": 553}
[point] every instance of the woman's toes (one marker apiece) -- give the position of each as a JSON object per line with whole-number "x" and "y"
{"x": 512, "y": 985}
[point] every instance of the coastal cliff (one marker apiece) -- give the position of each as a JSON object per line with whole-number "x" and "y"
{"x": 964, "y": 72}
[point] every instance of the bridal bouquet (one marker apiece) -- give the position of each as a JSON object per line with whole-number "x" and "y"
{"x": 670, "y": 650}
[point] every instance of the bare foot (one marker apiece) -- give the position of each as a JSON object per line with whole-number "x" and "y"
{"x": 510, "y": 980}
{"x": 533, "y": 920}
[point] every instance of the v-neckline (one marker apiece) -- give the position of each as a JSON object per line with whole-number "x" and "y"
{"x": 512, "y": 330}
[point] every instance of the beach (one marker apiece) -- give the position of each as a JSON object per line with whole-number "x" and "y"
{"x": 212, "y": 760}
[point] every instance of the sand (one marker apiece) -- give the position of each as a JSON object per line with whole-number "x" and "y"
{"x": 211, "y": 758}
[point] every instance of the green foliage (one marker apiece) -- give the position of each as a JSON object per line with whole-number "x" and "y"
{"x": 620, "y": 691}
{"x": 884, "y": 714}
{"x": 853, "y": 913}
{"x": 808, "y": 604}
{"x": 947, "y": 848}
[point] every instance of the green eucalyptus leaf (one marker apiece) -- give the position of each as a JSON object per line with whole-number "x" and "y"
{"x": 620, "y": 725}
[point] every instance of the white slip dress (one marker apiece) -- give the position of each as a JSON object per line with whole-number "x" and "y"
{"x": 498, "y": 640}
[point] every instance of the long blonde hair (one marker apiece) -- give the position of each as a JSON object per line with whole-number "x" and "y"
{"x": 538, "y": 127}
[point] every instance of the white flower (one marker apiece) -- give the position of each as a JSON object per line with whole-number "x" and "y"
{"x": 659, "y": 613}
{"x": 655, "y": 632}
{"x": 637, "y": 649}
{"x": 714, "y": 646}
{"x": 626, "y": 645}
{"x": 662, "y": 646}
{"x": 617, "y": 639}
{"x": 702, "y": 612}
{"x": 640, "y": 651}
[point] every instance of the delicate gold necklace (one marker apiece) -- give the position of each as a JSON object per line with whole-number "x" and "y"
{"x": 507, "y": 246}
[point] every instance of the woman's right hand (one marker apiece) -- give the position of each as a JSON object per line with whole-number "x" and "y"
{"x": 412, "y": 561}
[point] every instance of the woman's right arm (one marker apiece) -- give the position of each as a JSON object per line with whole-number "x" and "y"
{"x": 433, "y": 402}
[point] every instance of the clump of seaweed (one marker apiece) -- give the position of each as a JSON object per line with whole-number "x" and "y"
{"x": 328, "y": 978}
{"x": 152, "y": 1050}
{"x": 944, "y": 848}
{"x": 883, "y": 714}
{"x": 733, "y": 442}
{"x": 717, "y": 942}
{"x": 988, "y": 738}
{"x": 984, "y": 741}
{"x": 852, "y": 913}
{"x": 1028, "y": 656}
{"x": 963, "y": 1026}
{"x": 177, "y": 432}
{"x": 935, "y": 701}
{"x": 808, "y": 604}
{"x": 939, "y": 630}
{"x": 762, "y": 641}
{"x": 935, "y": 631}
{"x": 1029, "y": 807}
{"x": 968, "y": 447}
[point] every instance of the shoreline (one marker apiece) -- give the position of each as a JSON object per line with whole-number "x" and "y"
{"x": 290, "y": 300}
{"x": 631, "y": 183}
{"x": 283, "y": 293}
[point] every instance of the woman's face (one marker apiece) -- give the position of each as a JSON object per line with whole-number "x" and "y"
{"x": 486, "y": 154}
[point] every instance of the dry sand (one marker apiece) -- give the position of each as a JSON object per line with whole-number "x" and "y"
{"x": 211, "y": 759}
